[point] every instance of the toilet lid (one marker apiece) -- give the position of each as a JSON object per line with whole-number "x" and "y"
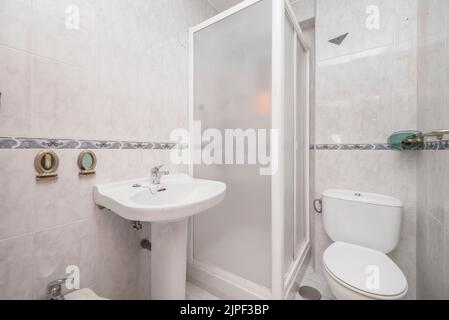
{"x": 365, "y": 269}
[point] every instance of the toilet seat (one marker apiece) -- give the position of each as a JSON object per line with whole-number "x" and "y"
{"x": 365, "y": 271}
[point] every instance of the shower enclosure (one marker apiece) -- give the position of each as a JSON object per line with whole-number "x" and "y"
{"x": 249, "y": 69}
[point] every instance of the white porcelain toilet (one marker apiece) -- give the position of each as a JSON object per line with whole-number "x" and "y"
{"x": 365, "y": 227}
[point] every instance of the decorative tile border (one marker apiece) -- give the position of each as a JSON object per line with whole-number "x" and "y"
{"x": 434, "y": 145}
{"x": 437, "y": 145}
{"x": 352, "y": 147}
{"x": 31, "y": 143}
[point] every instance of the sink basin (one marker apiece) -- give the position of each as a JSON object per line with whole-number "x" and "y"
{"x": 182, "y": 198}
{"x": 179, "y": 197}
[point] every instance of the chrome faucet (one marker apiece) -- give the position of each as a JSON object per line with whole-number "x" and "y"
{"x": 156, "y": 174}
{"x": 54, "y": 290}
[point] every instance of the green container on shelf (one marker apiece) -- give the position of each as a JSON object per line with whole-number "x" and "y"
{"x": 406, "y": 140}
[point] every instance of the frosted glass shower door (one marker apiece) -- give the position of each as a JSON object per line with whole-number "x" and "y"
{"x": 232, "y": 90}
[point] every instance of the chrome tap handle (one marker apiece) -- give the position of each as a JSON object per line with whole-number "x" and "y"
{"x": 156, "y": 174}
{"x": 56, "y": 283}
{"x": 156, "y": 169}
{"x": 54, "y": 289}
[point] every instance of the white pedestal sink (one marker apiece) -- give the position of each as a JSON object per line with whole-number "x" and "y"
{"x": 168, "y": 211}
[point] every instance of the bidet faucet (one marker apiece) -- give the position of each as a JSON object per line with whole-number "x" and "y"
{"x": 156, "y": 174}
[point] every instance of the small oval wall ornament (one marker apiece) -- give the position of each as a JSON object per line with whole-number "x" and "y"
{"x": 46, "y": 164}
{"x": 87, "y": 162}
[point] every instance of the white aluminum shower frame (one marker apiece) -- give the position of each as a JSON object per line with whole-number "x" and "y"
{"x": 300, "y": 254}
{"x": 220, "y": 281}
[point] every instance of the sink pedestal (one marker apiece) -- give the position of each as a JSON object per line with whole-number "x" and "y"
{"x": 168, "y": 260}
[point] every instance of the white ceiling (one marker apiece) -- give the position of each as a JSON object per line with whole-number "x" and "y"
{"x": 222, "y": 5}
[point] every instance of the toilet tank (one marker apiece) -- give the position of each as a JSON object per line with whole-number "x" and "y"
{"x": 365, "y": 219}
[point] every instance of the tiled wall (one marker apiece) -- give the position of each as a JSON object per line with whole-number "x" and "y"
{"x": 433, "y": 169}
{"x": 122, "y": 76}
{"x": 366, "y": 89}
